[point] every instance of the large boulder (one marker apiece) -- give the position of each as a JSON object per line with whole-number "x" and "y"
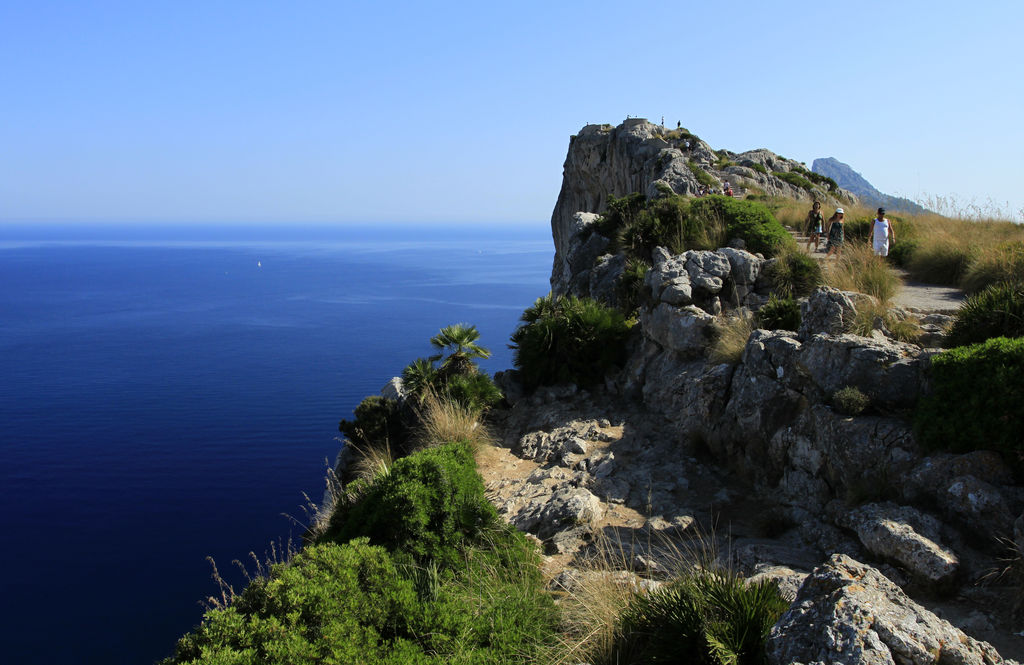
{"x": 905, "y": 536}
{"x": 886, "y": 371}
{"x": 847, "y": 613}
{"x": 829, "y": 311}
{"x": 686, "y": 330}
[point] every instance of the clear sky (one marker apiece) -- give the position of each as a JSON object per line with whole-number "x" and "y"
{"x": 461, "y": 112}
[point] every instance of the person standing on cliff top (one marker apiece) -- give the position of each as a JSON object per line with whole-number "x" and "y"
{"x": 813, "y": 227}
{"x": 881, "y": 234}
{"x": 836, "y": 234}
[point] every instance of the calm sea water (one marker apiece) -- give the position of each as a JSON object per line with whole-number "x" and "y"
{"x": 167, "y": 394}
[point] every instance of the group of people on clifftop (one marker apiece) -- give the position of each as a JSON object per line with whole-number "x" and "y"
{"x": 881, "y": 231}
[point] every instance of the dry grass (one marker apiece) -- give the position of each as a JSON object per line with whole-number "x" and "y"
{"x": 443, "y": 421}
{"x": 604, "y": 587}
{"x": 733, "y": 333}
{"x": 970, "y": 253}
{"x": 858, "y": 269}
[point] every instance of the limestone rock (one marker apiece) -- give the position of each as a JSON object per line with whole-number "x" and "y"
{"x": 829, "y": 311}
{"x": 685, "y": 330}
{"x": 906, "y": 536}
{"x": 886, "y": 371}
{"x": 847, "y": 613}
{"x": 394, "y": 389}
{"x": 570, "y": 506}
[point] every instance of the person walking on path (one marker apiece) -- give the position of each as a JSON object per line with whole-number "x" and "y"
{"x": 836, "y": 234}
{"x": 881, "y": 234}
{"x": 814, "y": 225}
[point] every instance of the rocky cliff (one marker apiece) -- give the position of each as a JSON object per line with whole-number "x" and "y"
{"x": 889, "y": 553}
{"x": 639, "y": 156}
{"x": 848, "y": 510}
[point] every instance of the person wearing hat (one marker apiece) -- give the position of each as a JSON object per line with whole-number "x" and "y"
{"x": 881, "y": 234}
{"x": 836, "y": 234}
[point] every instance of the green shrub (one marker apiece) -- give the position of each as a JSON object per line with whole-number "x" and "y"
{"x": 631, "y": 290}
{"x": 702, "y": 176}
{"x": 749, "y": 220}
{"x": 354, "y": 603}
{"x": 758, "y": 167}
{"x": 850, "y": 401}
{"x": 858, "y": 229}
{"x": 794, "y": 179}
{"x": 901, "y": 251}
{"x": 564, "y": 339}
{"x": 619, "y": 213}
{"x": 998, "y": 311}
{"x": 377, "y": 420}
{"x": 779, "y": 314}
{"x": 708, "y": 617}
{"x": 332, "y": 603}
{"x": 940, "y": 263}
{"x": 977, "y": 398}
{"x": 431, "y": 504}
{"x": 475, "y": 391}
{"x": 795, "y": 274}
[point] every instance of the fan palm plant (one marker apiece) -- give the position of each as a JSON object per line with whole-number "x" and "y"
{"x": 459, "y": 340}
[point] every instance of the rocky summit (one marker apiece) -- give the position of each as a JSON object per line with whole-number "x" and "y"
{"x": 888, "y": 553}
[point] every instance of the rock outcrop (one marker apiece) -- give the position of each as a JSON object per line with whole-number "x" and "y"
{"x": 847, "y": 613}
{"x": 640, "y": 156}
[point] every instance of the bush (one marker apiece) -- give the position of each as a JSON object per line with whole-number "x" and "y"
{"x": 794, "y": 179}
{"x": 940, "y": 262}
{"x": 977, "y": 398}
{"x": 795, "y": 274}
{"x": 619, "y": 213}
{"x": 475, "y": 391}
{"x": 702, "y": 176}
{"x": 901, "y": 251}
{"x": 998, "y": 311}
{"x": 431, "y": 504}
{"x": 779, "y": 314}
{"x": 749, "y": 220}
{"x": 850, "y": 401}
{"x": 565, "y": 339}
{"x": 332, "y": 603}
{"x": 355, "y": 603}
{"x": 1003, "y": 263}
{"x": 758, "y": 167}
{"x": 631, "y": 290}
{"x": 708, "y": 617}
{"x": 377, "y": 420}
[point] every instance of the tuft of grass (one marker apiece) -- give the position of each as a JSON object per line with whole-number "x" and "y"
{"x": 998, "y": 311}
{"x": 994, "y": 265}
{"x": 442, "y": 421}
{"x": 858, "y": 269}
{"x": 795, "y": 274}
{"x": 372, "y": 460}
{"x": 705, "y": 613}
{"x": 733, "y": 333}
{"x": 779, "y": 314}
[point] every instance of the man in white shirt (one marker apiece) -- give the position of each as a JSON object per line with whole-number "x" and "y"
{"x": 881, "y": 234}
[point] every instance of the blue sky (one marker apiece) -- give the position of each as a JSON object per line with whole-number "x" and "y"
{"x": 461, "y": 112}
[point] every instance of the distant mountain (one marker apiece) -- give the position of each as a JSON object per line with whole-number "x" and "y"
{"x": 854, "y": 182}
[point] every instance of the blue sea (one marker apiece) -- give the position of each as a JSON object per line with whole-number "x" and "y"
{"x": 169, "y": 393}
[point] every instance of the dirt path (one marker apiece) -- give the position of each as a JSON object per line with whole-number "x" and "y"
{"x": 913, "y": 295}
